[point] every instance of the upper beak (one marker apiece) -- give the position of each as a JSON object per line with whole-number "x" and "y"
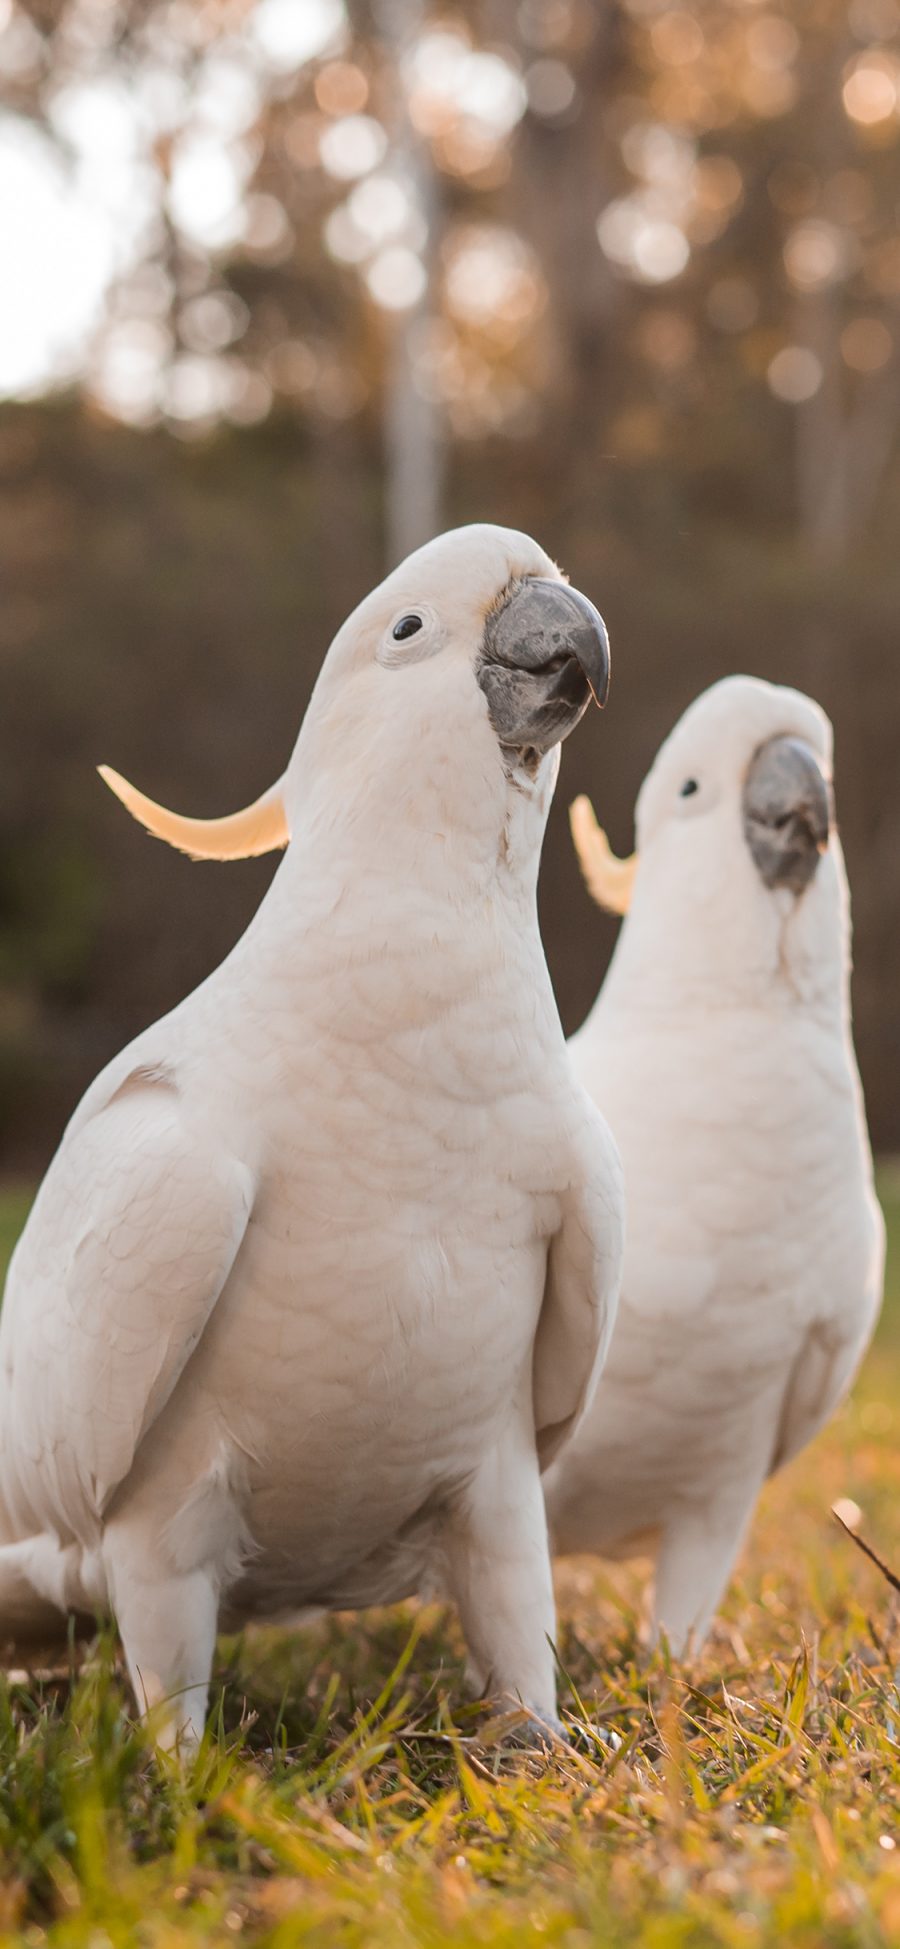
{"x": 545, "y": 653}
{"x": 787, "y": 812}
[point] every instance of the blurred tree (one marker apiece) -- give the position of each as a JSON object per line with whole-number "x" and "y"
{"x": 625, "y": 274}
{"x": 482, "y": 219}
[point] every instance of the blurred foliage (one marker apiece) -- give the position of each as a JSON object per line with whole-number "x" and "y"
{"x": 625, "y": 275}
{"x": 170, "y": 619}
{"x": 642, "y": 226}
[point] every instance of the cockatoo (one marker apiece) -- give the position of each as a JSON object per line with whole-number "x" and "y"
{"x": 720, "y": 1048}
{"x": 327, "y": 1260}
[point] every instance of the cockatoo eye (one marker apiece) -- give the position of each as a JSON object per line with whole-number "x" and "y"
{"x": 696, "y": 797}
{"x": 410, "y": 637}
{"x": 408, "y": 625}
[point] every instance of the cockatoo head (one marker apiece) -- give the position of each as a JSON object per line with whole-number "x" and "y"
{"x": 455, "y": 680}
{"x": 748, "y": 757}
{"x": 737, "y": 853}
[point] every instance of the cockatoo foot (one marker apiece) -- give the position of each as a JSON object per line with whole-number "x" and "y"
{"x": 177, "y": 1738}
{"x": 538, "y": 1732}
{"x": 167, "y": 1622}
{"x": 599, "y": 1742}
{"x": 512, "y": 1723}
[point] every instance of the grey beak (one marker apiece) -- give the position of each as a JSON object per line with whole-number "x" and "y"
{"x": 544, "y": 654}
{"x": 787, "y": 813}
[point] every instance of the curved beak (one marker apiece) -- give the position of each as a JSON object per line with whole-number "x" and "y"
{"x": 787, "y": 812}
{"x": 544, "y": 654}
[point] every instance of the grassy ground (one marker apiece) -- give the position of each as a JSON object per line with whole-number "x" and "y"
{"x": 341, "y": 1798}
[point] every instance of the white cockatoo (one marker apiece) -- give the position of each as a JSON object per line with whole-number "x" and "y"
{"x": 720, "y": 1048}
{"x": 328, "y": 1258}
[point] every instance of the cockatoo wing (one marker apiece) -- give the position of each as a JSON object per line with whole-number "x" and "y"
{"x": 584, "y": 1270}
{"x": 126, "y": 1251}
{"x": 827, "y": 1364}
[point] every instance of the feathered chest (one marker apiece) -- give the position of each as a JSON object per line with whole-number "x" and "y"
{"x": 746, "y": 1163}
{"x": 409, "y": 1066}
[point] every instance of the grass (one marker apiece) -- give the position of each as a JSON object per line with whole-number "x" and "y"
{"x": 341, "y": 1796}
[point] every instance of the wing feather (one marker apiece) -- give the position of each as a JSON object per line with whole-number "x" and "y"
{"x": 584, "y": 1270}
{"x": 128, "y": 1246}
{"x": 827, "y": 1364}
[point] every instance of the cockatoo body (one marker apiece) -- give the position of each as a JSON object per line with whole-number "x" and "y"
{"x": 720, "y": 1048}
{"x": 329, "y": 1256}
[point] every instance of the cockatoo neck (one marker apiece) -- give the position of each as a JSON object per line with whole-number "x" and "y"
{"x": 399, "y": 799}
{"x": 728, "y": 942}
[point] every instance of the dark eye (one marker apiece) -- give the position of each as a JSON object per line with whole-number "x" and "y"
{"x": 407, "y": 626}
{"x": 688, "y": 789}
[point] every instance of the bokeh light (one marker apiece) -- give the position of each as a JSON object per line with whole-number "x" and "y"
{"x": 290, "y": 32}
{"x": 213, "y": 320}
{"x": 795, "y": 374}
{"x": 266, "y": 234}
{"x": 352, "y": 146}
{"x": 636, "y": 234}
{"x": 815, "y": 255}
{"x": 396, "y": 278}
{"x": 128, "y": 378}
{"x": 341, "y": 88}
{"x": 677, "y": 37}
{"x": 550, "y": 87}
{"x": 450, "y": 83}
{"x": 205, "y": 191}
{"x": 493, "y": 279}
{"x": 870, "y": 89}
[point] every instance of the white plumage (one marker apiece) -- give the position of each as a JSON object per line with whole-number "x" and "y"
{"x": 327, "y": 1253}
{"x": 720, "y": 1049}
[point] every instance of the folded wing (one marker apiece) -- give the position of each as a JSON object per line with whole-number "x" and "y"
{"x": 584, "y": 1270}
{"x": 129, "y": 1244}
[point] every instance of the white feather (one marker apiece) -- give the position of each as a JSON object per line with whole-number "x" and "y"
{"x": 329, "y": 1250}
{"x": 720, "y": 1049}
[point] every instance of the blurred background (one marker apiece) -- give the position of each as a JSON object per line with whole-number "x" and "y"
{"x": 287, "y": 287}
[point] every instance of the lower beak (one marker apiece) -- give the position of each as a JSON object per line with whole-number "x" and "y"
{"x": 545, "y": 653}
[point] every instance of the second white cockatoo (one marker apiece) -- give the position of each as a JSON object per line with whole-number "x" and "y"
{"x": 720, "y": 1048}
{"x": 327, "y": 1259}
